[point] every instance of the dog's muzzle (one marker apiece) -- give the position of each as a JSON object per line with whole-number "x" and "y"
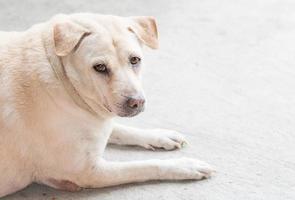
{"x": 133, "y": 106}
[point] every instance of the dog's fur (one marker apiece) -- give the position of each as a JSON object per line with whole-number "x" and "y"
{"x": 56, "y": 111}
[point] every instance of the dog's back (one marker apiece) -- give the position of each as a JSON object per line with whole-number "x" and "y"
{"x": 6, "y": 37}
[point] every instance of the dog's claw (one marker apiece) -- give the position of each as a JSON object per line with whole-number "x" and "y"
{"x": 150, "y": 147}
{"x": 184, "y": 144}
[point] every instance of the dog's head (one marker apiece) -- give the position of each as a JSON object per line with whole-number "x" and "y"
{"x": 102, "y": 56}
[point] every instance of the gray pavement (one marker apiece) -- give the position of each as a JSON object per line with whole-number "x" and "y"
{"x": 224, "y": 76}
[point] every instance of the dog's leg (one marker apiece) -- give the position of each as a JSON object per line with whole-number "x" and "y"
{"x": 106, "y": 173}
{"x": 149, "y": 139}
{"x": 13, "y": 177}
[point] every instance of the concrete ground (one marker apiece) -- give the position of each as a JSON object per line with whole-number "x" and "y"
{"x": 224, "y": 76}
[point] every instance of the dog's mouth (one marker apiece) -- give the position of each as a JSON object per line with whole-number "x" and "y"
{"x": 126, "y": 112}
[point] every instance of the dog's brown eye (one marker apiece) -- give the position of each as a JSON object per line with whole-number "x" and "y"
{"x": 134, "y": 60}
{"x": 101, "y": 68}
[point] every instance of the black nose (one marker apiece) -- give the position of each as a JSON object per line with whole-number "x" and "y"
{"x": 135, "y": 103}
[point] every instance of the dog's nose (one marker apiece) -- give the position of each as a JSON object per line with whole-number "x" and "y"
{"x": 135, "y": 102}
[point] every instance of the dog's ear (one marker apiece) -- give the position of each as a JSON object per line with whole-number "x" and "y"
{"x": 145, "y": 28}
{"x": 67, "y": 35}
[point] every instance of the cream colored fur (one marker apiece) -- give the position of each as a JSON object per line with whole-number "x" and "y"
{"x": 55, "y": 124}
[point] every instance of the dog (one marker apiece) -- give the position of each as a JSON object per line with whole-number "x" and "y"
{"x": 62, "y": 83}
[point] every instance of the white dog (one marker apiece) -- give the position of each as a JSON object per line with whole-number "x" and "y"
{"x": 62, "y": 82}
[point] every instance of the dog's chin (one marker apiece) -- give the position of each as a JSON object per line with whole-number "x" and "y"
{"x": 129, "y": 113}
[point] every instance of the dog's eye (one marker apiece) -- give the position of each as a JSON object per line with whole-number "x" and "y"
{"x": 101, "y": 68}
{"x": 134, "y": 60}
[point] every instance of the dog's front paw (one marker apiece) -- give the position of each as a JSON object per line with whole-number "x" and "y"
{"x": 188, "y": 168}
{"x": 164, "y": 139}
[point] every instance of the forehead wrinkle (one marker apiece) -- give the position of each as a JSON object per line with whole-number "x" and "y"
{"x": 114, "y": 43}
{"x": 118, "y": 51}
